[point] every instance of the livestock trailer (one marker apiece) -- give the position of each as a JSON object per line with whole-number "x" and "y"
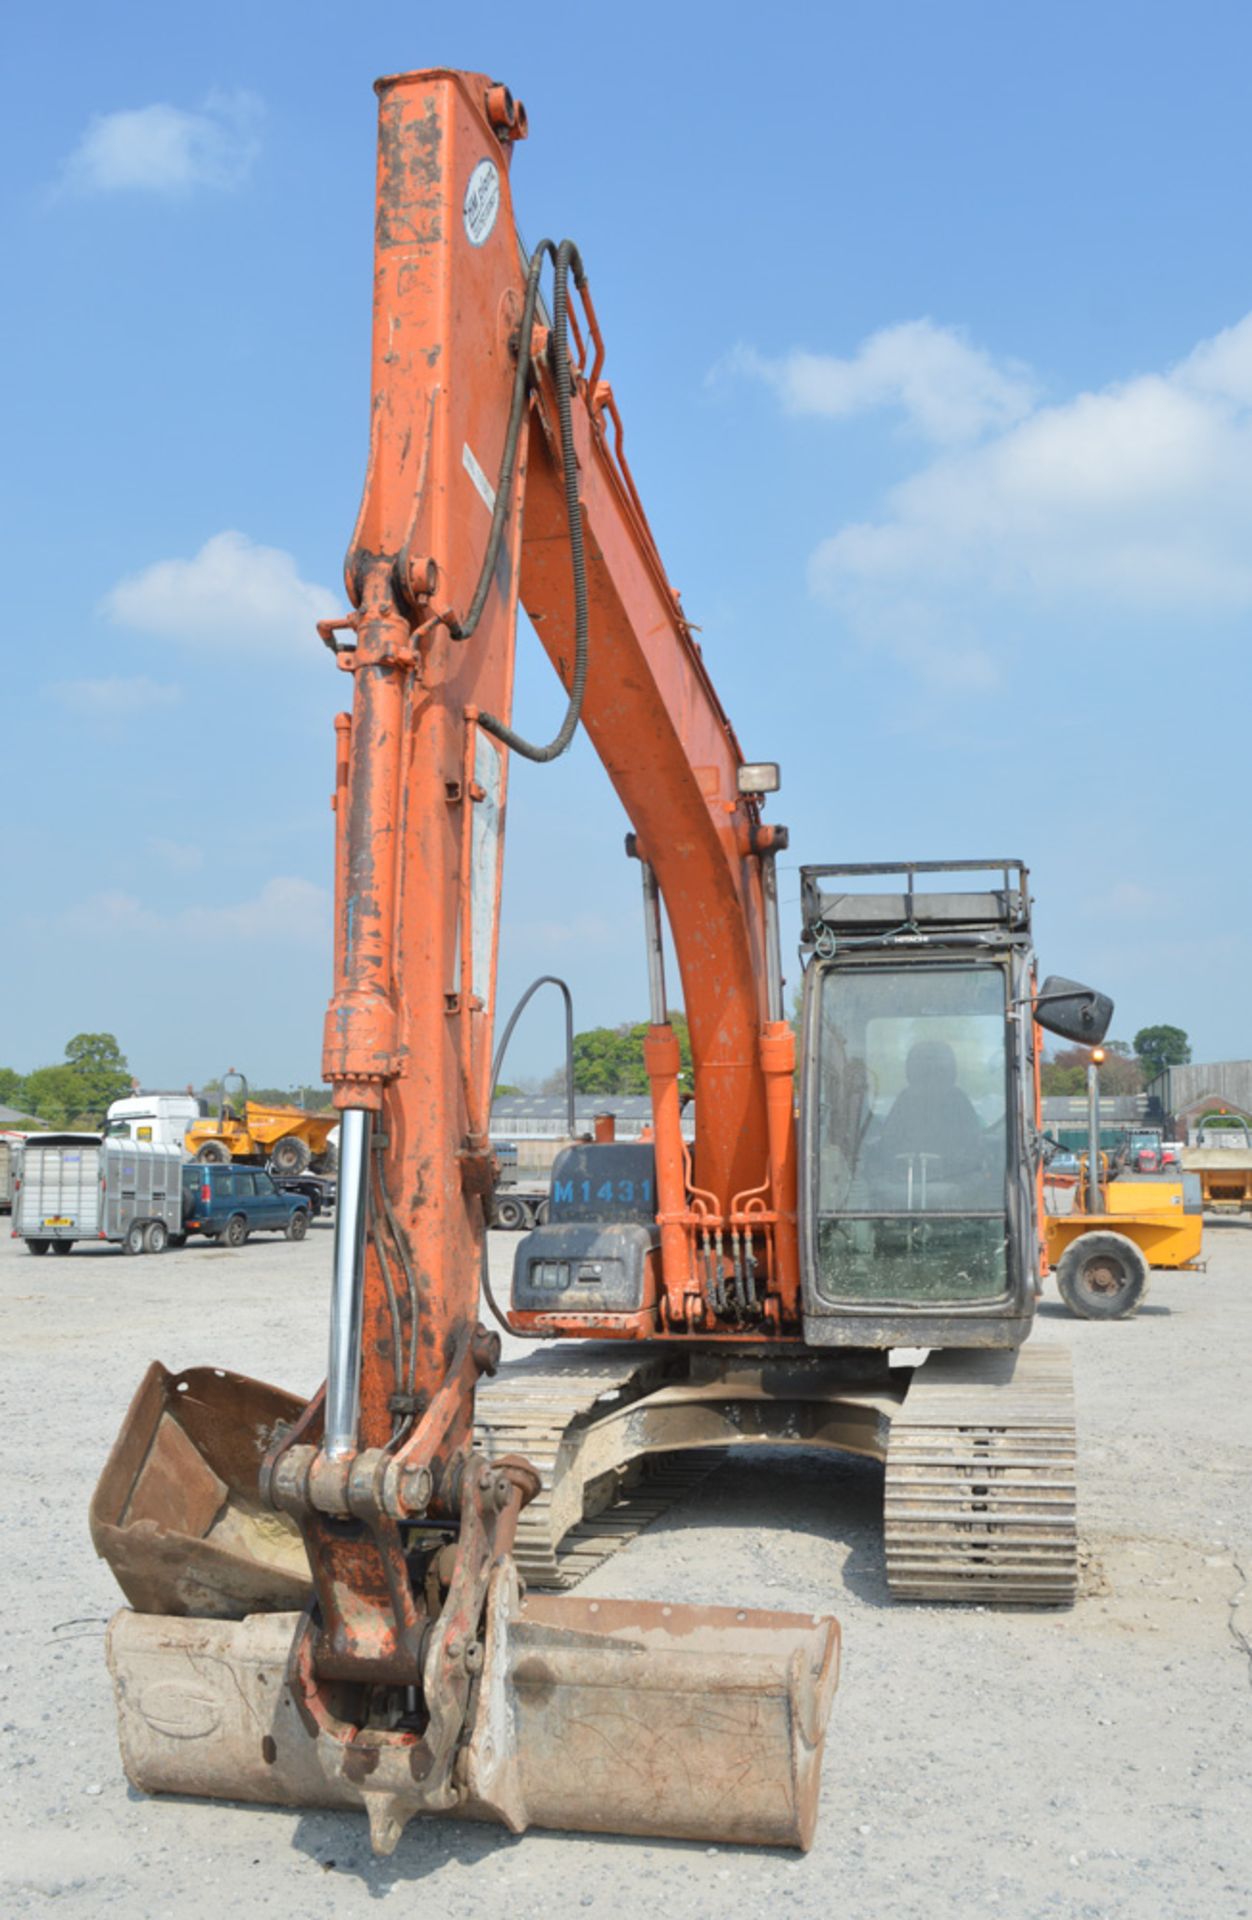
{"x": 76, "y": 1186}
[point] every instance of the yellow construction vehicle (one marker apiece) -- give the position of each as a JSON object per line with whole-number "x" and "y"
{"x": 1220, "y": 1157}
{"x": 248, "y": 1131}
{"x": 1103, "y": 1231}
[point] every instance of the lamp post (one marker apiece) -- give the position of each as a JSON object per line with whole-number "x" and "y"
{"x": 1095, "y": 1200}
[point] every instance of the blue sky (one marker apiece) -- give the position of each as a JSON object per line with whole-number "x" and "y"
{"x": 931, "y": 331}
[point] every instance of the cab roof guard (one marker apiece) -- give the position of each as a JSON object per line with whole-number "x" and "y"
{"x": 867, "y": 912}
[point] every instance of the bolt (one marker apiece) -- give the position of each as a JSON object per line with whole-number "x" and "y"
{"x": 418, "y": 1487}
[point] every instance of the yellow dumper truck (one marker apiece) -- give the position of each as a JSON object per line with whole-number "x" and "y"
{"x": 249, "y": 1132}
{"x": 1221, "y": 1157}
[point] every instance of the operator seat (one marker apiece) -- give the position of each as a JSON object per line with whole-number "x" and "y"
{"x": 931, "y": 1115}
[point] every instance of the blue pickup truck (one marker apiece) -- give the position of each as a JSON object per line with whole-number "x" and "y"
{"x": 229, "y": 1203}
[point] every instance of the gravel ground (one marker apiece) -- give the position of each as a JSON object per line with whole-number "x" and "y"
{"x": 1069, "y": 1765}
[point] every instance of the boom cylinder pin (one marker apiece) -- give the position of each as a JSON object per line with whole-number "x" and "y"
{"x": 343, "y": 1374}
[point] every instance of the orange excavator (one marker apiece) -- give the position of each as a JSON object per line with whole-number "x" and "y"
{"x": 324, "y": 1597}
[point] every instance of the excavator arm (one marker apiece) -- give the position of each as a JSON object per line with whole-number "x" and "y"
{"x": 496, "y": 471}
{"x": 418, "y": 1680}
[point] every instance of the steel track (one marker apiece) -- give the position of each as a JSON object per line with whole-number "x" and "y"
{"x": 980, "y": 1500}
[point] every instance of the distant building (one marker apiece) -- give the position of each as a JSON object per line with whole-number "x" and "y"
{"x": 1181, "y": 1094}
{"x": 11, "y": 1121}
{"x": 1065, "y": 1117}
{"x": 539, "y": 1122}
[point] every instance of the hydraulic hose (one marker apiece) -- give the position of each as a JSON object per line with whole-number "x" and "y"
{"x": 565, "y": 258}
{"x": 544, "y": 980}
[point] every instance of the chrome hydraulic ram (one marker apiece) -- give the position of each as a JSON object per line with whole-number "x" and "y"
{"x": 343, "y": 1374}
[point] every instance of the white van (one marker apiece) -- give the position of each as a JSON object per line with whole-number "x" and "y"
{"x": 157, "y": 1119}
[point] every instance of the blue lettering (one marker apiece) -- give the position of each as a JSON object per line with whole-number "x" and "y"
{"x": 562, "y": 1193}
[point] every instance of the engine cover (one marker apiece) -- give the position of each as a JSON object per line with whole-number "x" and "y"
{"x": 583, "y": 1266}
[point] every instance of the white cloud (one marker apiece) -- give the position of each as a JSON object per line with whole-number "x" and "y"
{"x": 177, "y": 855}
{"x": 167, "y": 150}
{"x": 232, "y": 593}
{"x": 948, "y": 390}
{"x": 1131, "y": 501}
{"x": 113, "y": 698}
{"x": 287, "y": 911}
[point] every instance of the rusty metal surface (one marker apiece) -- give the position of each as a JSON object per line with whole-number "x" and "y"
{"x": 177, "y": 1511}
{"x": 585, "y": 1417}
{"x": 695, "y": 1723}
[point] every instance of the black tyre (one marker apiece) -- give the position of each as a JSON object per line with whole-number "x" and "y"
{"x": 1102, "y": 1276}
{"x": 214, "y": 1153}
{"x": 38, "y": 1246}
{"x": 291, "y": 1155}
{"x": 235, "y": 1232}
{"x": 510, "y": 1214}
{"x": 156, "y": 1237}
{"x": 61, "y": 1246}
{"x": 134, "y": 1240}
{"x": 298, "y": 1225}
{"x": 541, "y": 1214}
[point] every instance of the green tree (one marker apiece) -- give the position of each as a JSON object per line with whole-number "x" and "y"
{"x": 1058, "y": 1078}
{"x": 610, "y": 1059}
{"x": 1066, "y": 1071}
{"x": 12, "y": 1088}
{"x": 100, "y": 1064}
{"x": 55, "y": 1094}
{"x": 78, "y": 1092}
{"x": 1161, "y": 1047}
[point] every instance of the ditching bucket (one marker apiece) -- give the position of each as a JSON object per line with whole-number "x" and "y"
{"x": 602, "y": 1716}
{"x": 610, "y": 1716}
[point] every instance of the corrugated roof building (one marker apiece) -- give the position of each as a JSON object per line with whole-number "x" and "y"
{"x": 1181, "y": 1092}
{"x": 539, "y": 1122}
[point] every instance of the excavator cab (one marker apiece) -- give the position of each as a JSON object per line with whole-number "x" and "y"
{"x": 918, "y": 1216}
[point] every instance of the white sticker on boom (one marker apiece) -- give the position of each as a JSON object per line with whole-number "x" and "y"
{"x": 482, "y": 202}
{"x": 482, "y": 486}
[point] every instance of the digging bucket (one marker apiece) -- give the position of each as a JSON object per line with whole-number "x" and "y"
{"x": 177, "y": 1512}
{"x": 602, "y": 1716}
{"x": 609, "y": 1716}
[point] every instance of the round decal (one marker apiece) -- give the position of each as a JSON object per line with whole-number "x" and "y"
{"x": 482, "y": 202}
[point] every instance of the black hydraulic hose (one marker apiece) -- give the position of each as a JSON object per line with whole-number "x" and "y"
{"x": 544, "y": 980}
{"x": 462, "y": 629}
{"x": 565, "y": 258}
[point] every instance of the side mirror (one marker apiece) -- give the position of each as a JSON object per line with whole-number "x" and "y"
{"x": 1075, "y": 1012}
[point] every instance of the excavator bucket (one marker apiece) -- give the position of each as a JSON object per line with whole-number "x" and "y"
{"x": 602, "y": 1716}
{"x": 177, "y": 1512}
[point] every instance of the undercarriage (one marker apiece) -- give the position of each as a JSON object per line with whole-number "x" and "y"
{"x": 978, "y": 1446}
